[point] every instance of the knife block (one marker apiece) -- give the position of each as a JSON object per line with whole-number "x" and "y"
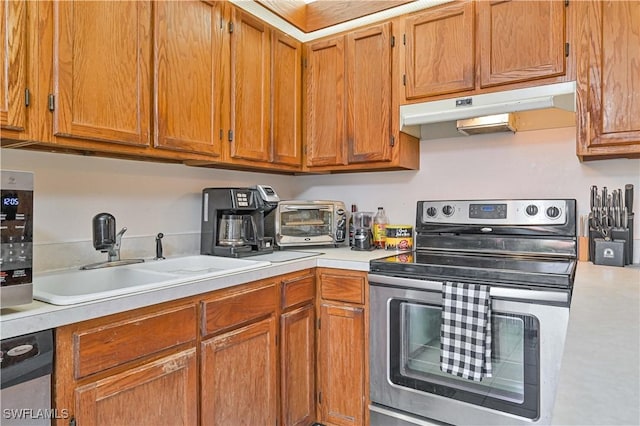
{"x": 617, "y": 234}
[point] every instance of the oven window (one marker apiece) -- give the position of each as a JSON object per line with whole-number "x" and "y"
{"x": 305, "y": 223}
{"x": 415, "y": 359}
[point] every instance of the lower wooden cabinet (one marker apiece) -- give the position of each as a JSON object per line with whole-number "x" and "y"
{"x": 238, "y": 376}
{"x": 297, "y": 349}
{"x": 262, "y": 353}
{"x": 342, "y": 348}
{"x": 160, "y": 392}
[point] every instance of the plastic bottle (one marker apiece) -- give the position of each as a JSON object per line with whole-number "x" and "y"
{"x": 380, "y": 222}
{"x": 351, "y": 226}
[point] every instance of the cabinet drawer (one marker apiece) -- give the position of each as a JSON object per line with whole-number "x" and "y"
{"x": 297, "y": 290}
{"x": 343, "y": 288}
{"x": 236, "y": 309}
{"x": 108, "y": 346}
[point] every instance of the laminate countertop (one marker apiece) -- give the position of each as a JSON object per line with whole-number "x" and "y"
{"x": 599, "y": 380}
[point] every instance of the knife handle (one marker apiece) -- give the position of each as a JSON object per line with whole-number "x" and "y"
{"x": 628, "y": 197}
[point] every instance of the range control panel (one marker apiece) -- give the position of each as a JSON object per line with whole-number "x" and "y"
{"x": 494, "y": 212}
{"x": 16, "y": 228}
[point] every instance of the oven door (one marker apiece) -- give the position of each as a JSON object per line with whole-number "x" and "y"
{"x": 527, "y": 343}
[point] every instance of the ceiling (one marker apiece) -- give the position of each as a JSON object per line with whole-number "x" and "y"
{"x": 312, "y": 16}
{"x": 307, "y": 21}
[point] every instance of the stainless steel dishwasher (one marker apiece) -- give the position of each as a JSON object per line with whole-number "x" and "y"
{"x": 25, "y": 393}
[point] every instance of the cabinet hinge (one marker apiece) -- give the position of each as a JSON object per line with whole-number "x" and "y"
{"x": 393, "y": 41}
{"x": 318, "y": 323}
{"x": 27, "y": 97}
{"x": 52, "y": 102}
{"x": 72, "y": 421}
{"x": 319, "y": 397}
{"x": 221, "y": 135}
{"x": 277, "y": 340}
{"x": 404, "y": 79}
{"x": 221, "y": 23}
{"x": 566, "y": 3}
{"x": 392, "y": 141}
{"x": 404, "y": 39}
{"x": 230, "y": 27}
{"x": 304, "y": 63}
{"x": 230, "y": 135}
{"x": 566, "y": 49}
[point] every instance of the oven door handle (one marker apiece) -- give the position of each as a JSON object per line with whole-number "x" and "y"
{"x": 515, "y": 294}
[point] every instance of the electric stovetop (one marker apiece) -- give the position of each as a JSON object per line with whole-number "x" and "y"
{"x": 479, "y": 268}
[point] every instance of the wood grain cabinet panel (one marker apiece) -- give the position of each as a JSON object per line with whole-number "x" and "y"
{"x": 608, "y": 78}
{"x": 298, "y": 290}
{"x": 233, "y": 310}
{"x": 13, "y": 58}
{"x": 342, "y": 287}
{"x": 369, "y": 94}
{"x": 520, "y": 40}
{"x": 238, "y": 376}
{"x": 286, "y": 99}
{"x": 250, "y": 89}
{"x": 187, "y": 83}
{"x": 440, "y": 50}
{"x": 342, "y": 352}
{"x": 161, "y": 392}
{"x": 107, "y": 346}
{"x": 325, "y": 103}
{"x": 297, "y": 361}
{"x": 102, "y": 71}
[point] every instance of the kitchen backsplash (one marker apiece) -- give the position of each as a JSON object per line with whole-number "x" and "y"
{"x": 149, "y": 198}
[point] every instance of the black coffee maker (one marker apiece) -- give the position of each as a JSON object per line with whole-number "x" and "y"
{"x": 233, "y": 221}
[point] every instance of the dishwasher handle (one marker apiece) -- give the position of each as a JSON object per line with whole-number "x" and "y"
{"x": 18, "y": 367}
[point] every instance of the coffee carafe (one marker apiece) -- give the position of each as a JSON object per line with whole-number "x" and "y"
{"x": 362, "y": 234}
{"x": 233, "y": 222}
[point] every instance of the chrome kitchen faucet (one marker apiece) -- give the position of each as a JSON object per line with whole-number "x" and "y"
{"x": 107, "y": 241}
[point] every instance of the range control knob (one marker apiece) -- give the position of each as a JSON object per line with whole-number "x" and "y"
{"x": 447, "y": 210}
{"x": 432, "y": 211}
{"x": 532, "y": 210}
{"x": 553, "y": 212}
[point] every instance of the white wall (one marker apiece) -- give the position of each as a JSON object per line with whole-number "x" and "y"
{"x": 535, "y": 164}
{"x": 146, "y": 197}
{"x": 149, "y": 198}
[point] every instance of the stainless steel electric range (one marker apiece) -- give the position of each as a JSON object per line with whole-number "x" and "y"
{"x": 525, "y": 252}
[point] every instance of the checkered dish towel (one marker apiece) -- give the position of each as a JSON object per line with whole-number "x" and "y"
{"x": 465, "y": 334}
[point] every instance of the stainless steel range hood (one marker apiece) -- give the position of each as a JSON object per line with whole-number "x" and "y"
{"x": 532, "y": 108}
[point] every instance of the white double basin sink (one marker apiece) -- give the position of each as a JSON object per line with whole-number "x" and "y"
{"x": 78, "y": 286}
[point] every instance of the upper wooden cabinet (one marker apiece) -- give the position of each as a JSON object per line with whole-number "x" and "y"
{"x": 286, "y": 99}
{"x": 440, "y": 50}
{"x": 13, "y": 78}
{"x": 250, "y": 88}
{"x": 349, "y": 120}
{"x": 102, "y": 71}
{"x": 608, "y": 79}
{"x": 520, "y": 40}
{"x": 187, "y": 85}
{"x": 469, "y": 46}
{"x": 325, "y": 106}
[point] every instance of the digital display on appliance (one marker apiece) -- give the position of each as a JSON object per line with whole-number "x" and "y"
{"x": 487, "y": 211}
{"x": 10, "y": 201}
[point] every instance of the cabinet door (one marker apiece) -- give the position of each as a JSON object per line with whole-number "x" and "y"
{"x": 325, "y": 106}
{"x": 440, "y": 51}
{"x": 286, "y": 99}
{"x": 250, "y": 91}
{"x": 520, "y": 40}
{"x": 162, "y": 392}
{"x": 609, "y": 81}
{"x": 188, "y": 86}
{"x": 13, "y": 54}
{"x": 101, "y": 71}
{"x": 297, "y": 362}
{"x": 238, "y": 376}
{"x": 342, "y": 352}
{"x": 369, "y": 94}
